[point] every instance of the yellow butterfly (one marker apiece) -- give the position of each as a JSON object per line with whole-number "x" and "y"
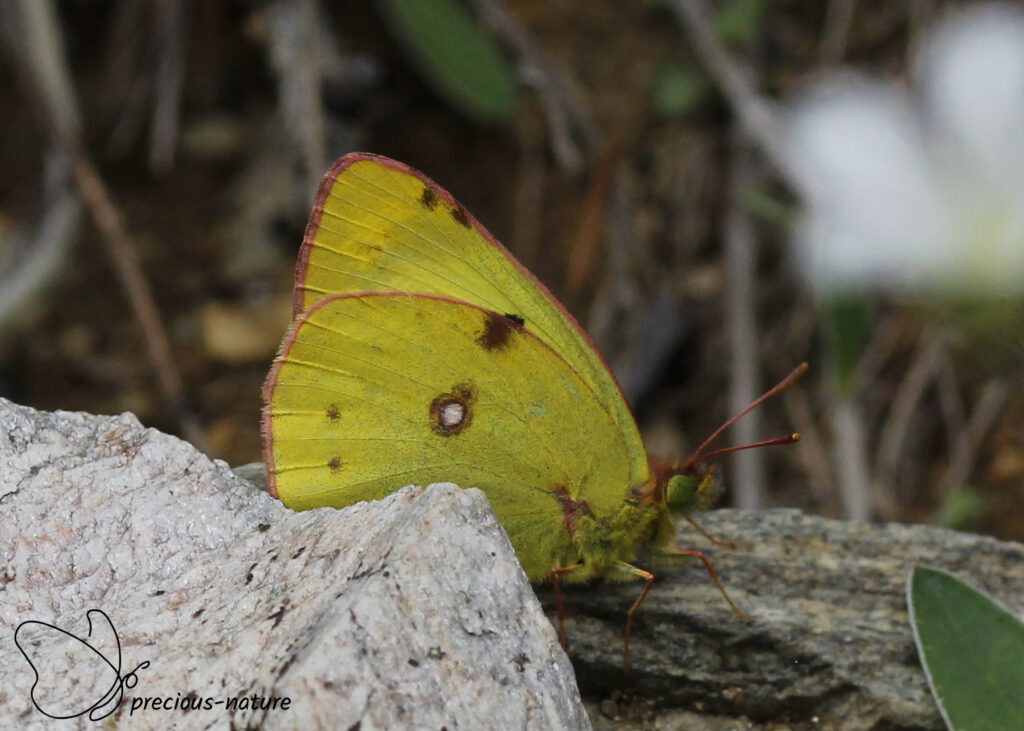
{"x": 422, "y": 351}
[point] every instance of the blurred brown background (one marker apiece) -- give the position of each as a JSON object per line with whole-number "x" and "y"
{"x": 612, "y": 166}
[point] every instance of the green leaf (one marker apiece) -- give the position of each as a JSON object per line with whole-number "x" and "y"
{"x": 739, "y": 20}
{"x": 456, "y": 56}
{"x": 847, "y": 324}
{"x": 959, "y": 509}
{"x": 679, "y": 87}
{"x": 767, "y": 205}
{"x": 972, "y": 650}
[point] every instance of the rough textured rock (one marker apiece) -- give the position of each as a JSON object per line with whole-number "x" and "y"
{"x": 411, "y": 611}
{"x": 408, "y": 612}
{"x": 829, "y": 645}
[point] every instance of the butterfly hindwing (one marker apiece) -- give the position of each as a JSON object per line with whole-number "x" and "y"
{"x": 372, "y": 392}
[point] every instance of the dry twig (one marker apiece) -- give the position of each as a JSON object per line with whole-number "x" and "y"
{"x": 49, "y": 84}
{"x": 951, "y": 403}
{"x": 893, "y": 435}
{"x": 993, "y": 396}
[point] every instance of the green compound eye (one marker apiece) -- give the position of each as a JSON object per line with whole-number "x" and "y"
{"x": 689, "y": 493}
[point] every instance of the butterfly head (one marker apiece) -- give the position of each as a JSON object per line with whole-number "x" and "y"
{"x": 695, "y": 485}
{"x": 684, "y": 489}
{"x": 693, "y": 491}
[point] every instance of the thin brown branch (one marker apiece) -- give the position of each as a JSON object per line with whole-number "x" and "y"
{"x": 879, "y": 349}
{"x": 49, "y": 83}
{"x": 585, "y": 243}
{"x": 951, "y": 403}
{"x": 893, "y": 435}
{"x": 969, "y": 441}
{"x": 124, "y": 256}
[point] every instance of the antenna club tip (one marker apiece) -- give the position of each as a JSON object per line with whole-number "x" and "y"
{"x": 796, "y": 436}
{"x": 797, "y": 373}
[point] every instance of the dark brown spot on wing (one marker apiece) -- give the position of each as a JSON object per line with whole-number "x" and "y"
{"x": 572, "y": 510}
{"x": 333, "y": 413}
{"x": 429, "y": 199}
{"x": 498, "y": 329}
{"x": 452, "y": 413}
{"x": 335, "y": 464}
{"x": 460, "y": 216}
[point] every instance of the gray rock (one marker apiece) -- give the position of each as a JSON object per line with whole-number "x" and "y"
{"x": 407, "y": 612}
{"x": 411, "y": 612}
{"x": 829, "y": 645}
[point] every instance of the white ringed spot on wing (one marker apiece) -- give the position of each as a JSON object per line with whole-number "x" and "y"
{"x": 451, "y": 413}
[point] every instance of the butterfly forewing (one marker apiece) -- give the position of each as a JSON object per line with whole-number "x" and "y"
{"x": 379, "y": 226}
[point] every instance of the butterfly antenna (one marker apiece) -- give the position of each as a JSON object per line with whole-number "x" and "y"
{"x": 786, "y": 382}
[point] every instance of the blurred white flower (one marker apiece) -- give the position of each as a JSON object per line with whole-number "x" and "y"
{"x": 920, "y": 190}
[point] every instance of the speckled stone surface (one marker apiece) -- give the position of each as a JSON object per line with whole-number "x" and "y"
{"x": 407, "y": 612}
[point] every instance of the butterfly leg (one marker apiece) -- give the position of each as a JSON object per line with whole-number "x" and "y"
{"x": 557, "y": 571}
{"x": 699, "y": 529}
{"x": 711, "y": 573}
{"x": 648, "y": 577}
